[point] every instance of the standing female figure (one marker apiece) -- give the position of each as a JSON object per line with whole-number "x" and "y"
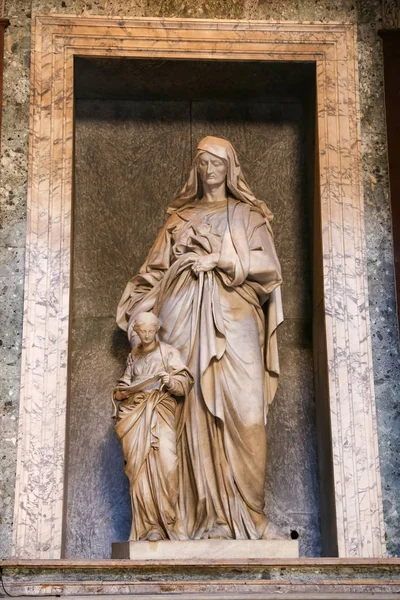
{"x": 208, "y": 276}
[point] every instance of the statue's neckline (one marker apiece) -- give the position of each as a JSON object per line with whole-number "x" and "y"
{"x": 212, "y": 204}
{"x": 213, "y": 201}
{"x": 142, "y": 352}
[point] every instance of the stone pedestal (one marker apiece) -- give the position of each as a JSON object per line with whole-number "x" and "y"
{"x": 199, "y": 549}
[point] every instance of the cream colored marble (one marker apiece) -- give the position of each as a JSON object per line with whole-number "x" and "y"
{"x": 198, "y": 549}
{"x": 343, "y": 293}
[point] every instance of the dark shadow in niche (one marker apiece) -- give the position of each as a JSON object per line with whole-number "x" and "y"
{"x": 119, "y": 501}
{"x": 116, "y": 488}
{"x": 136, "y": 126}
{"x": 119, "y": 343}
{"x": 193, "y": 80}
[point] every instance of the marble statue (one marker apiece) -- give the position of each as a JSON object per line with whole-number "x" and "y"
{"x": 154, "y": 378}
{"x": 213, "y": 279}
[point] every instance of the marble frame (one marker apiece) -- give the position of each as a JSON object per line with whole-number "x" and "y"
{"x": 344, "y": 375}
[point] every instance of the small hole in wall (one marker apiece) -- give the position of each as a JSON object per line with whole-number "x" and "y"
{"x": 294, "y": 534}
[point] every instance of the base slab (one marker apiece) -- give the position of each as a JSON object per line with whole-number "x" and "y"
{"x": 200, "y": 549}
{"x": 208, "y": 578}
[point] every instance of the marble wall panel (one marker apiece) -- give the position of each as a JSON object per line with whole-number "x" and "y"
{"x": 382, "y": 297}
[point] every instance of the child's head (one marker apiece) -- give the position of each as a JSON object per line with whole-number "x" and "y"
{"x": 146, "y": 326}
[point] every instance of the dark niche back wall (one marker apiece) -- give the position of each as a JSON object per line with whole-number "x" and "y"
{"x": 132, "y": 157}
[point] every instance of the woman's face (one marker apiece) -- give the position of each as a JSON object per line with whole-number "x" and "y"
{"x": 146, "y": 332}
{"x": 212, "y": 170}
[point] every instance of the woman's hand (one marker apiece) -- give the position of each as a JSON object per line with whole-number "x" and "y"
{"x": 205, "y": 263}
{"x": 165, "y": 378}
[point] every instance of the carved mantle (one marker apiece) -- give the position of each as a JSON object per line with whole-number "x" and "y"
{"x": 344, "y": 378}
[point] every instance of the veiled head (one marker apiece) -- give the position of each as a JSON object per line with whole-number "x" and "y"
{"x": 214, "y": 160}
{"x": 224, "y": 155}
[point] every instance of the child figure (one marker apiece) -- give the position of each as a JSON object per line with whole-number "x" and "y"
{"x": 154, "y": 376}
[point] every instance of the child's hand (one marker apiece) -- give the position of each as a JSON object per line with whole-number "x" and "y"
{"x": 165, "y": 378}
{"x": 120, "y": 394}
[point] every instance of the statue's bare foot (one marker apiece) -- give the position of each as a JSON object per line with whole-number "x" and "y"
{"x": 272, "y": 532}
{"x": 154, "y": 536}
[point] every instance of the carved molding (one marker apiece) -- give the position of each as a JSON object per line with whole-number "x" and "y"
{"x": 38, "y": 522}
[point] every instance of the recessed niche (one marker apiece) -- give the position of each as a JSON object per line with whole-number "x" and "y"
{"x": 137, "y": 123}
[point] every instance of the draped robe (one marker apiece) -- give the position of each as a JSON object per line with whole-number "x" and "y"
{"x": 146, "y": 427}
{"x": 217, "y": 322}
